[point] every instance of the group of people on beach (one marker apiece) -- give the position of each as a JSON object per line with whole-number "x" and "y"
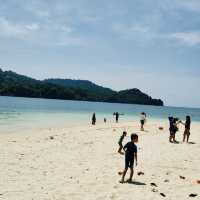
{"x": 116, "y": 114}
{"x": 130, "y": 149}
{"x": 173, "y": 128}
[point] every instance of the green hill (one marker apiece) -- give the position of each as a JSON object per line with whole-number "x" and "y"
{"x": 13, "y": 84}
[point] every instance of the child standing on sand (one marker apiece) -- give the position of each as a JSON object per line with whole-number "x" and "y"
{"x": 120, "y": 142}
{"x": 130, "y": 155}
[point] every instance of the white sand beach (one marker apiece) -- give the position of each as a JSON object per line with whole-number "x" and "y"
{"x": 82, "y": 163}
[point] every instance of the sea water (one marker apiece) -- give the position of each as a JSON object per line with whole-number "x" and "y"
{"x": 25, "y": 114}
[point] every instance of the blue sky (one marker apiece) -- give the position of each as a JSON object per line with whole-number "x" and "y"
{"x": 152, "y": 45}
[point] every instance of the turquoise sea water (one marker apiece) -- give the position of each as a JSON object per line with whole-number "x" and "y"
{"x": 19, "y": 114}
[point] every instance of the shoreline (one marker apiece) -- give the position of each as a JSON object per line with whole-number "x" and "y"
{"x": 82, "y": 124}
{"x": 82, "y": 163}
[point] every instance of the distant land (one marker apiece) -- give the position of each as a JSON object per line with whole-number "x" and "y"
{"x": 13, "y": 84}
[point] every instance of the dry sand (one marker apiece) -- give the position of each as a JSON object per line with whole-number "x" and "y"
{"x": 82, "y": 163}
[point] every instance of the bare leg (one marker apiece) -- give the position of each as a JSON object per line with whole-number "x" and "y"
{"x": 131, "y": 175}
{"x": 184, "y": 137}
{"x": 174, "y": 138}
{"x": 142, "y": 127}
{"x": 124, "y": 174}
{"x": 120, "y": 150}
{"x": 170, "y": 138}
{"x": 188, "y": 136}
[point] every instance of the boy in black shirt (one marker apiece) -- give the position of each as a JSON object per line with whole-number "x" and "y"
{"x": 120, "y": 143}
{"x": 130, "y": 155}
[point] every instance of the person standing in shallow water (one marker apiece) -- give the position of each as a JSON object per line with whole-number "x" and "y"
{"x": 93, "y": 119}
{"x": 117, "y": 116}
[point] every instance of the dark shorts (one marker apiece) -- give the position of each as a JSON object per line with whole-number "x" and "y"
{"x": 142, "y": 122}
{"x": 172, "y": 133}
{"x": 129, "y": 162}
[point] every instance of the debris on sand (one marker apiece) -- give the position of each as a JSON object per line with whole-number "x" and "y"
{"x": 193, "y": 195}
{"x": 120, "y": 173}
{"x": 182, "y": 177}
{"x": 51, "y": 137}
{"x": 140, "y": 173}
{"x": 162, "y": 194}
{"x": 153, "y": 185}
{"x": 154, "y": 190}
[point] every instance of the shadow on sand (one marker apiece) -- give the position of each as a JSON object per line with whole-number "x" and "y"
{"x": 191, "y": 143}
{"x": 136, "y": 183}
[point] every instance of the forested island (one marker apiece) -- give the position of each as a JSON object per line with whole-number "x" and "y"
{"x": 13, "y": 84}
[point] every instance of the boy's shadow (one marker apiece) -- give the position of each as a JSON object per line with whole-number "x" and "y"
{"x": 136, "y": 183}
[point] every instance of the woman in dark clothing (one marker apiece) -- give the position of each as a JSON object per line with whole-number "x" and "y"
{"x": 186, "y": 134}
{"x": 93, "y": 119}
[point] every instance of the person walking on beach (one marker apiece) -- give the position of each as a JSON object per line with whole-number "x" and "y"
{"x": 142, "y": 120}
{"x": 130, "y": 156}
{"x": 187, "y": 124}
{"x": 93, "y": 119}
{"x": 120, "y": 142}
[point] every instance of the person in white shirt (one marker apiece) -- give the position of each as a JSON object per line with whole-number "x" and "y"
{"x": 142, "y": 120}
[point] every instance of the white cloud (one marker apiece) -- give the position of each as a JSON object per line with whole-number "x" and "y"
{"x": 45, "y": 35}
{"x": 68, "y": 41}
{"x": 10, "y": 29}
{"x": 189, "y": 38}
{"x": 125, "y": 29}
{"x": 33, "y": 27}
{"x": 131, "y": 32}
